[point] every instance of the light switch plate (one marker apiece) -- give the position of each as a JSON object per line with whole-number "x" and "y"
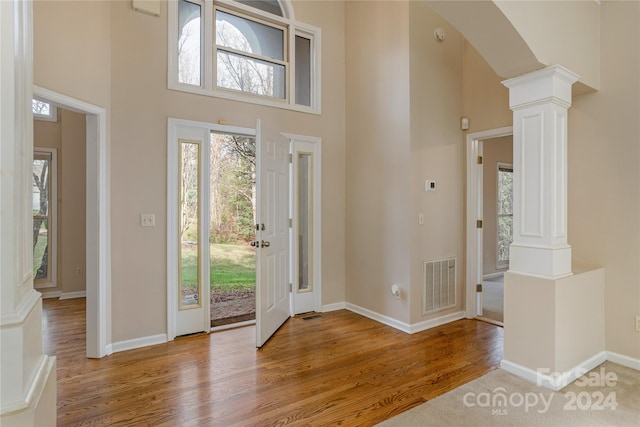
{"x": 147, "y": 220}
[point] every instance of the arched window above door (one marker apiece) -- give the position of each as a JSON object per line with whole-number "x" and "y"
{"x": 247, "y": 50}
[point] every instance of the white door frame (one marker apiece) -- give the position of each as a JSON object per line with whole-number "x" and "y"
{"x": 301, "y": 143}
{"x": 98, "y": 221}
{"x": 474, "y": 213}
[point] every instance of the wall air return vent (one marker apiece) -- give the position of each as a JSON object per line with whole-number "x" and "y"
{"x": 439, "y": 285}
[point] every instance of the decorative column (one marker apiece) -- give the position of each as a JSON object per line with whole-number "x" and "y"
{"x": 539, "y": 101}
{"x": 548, "y": 338}
{"x": 28, "y": 380}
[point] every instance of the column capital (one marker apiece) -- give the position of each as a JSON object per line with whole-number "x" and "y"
{"x": 551, "y": 84}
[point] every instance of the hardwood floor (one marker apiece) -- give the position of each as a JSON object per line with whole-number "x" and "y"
{"x": 338, "y": 369}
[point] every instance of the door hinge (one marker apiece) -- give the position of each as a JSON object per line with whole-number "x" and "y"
{"x": 479, "y": 223}
{"x": 479, "y": 287}
{"x": 290, "y": 158}
{"x": 479, "y": 160}
{"x": 290, "y": 222}
{"x": 290, "y": 287}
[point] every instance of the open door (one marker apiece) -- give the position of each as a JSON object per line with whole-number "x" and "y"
{"x": 272, "y": 233}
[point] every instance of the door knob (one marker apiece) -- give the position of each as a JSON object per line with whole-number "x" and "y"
{"x": 255, "y": 243}
{"x": 265, "y": 244}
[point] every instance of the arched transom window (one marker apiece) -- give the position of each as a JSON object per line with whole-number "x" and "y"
{"x": 246, "y": 50}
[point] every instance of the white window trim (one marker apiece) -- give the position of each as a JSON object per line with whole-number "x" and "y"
{"x": 207, "y": 86}
{"x": 53, "y": 226}
{"x": 500, "y": 165}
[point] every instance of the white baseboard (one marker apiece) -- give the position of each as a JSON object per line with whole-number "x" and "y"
{"x": 554, "y": 380}
{"x": 432, "y": 323}
{"x": 54, "y": 294}
{"x": 71, "y": 295}
{"x": 333, "y": 307}
{"x": 138, "y": 343}
{"x": 623, "y": 360}
{"x": 404, "y": 327}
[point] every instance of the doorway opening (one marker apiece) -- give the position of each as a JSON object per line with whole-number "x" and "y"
{"x": 97, "y": 266}
{"x": 232, "y": 233}
{"x": 489, "y": 221}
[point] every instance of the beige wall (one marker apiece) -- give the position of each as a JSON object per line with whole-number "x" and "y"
{"x": 378, "y": 149}
{"x": 494, "y": 151}
{"x": 72, "y": 196}
{"x": 604, "y": 177}
{"x": 437, "y": 151}
{"x": 485, "y": 100}
{"x": 71, "y": 48}
{"x": 560, "y": 32}
{"x": 68, "y": 136}
{"x": 121, "y": 58}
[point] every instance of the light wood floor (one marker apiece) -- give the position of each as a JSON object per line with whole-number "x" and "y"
{"x": 339, "y": 369}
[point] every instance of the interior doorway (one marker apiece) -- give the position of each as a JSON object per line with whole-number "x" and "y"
{"x": 97, "y": 267}
{"x": 489, "y": 221}
{"x": 497, "y": 224}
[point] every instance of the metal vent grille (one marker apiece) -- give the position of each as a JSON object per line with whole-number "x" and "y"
{"x": 439, "y": 285}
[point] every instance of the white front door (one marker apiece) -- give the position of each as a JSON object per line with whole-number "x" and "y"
{"x": 272, "y": 234}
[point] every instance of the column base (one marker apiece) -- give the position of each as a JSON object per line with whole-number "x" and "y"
{"x": 552, "y": 263}
{"x": 553, "y": 328}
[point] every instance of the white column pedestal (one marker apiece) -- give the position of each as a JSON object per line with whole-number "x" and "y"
{"x": 553, "y": 328}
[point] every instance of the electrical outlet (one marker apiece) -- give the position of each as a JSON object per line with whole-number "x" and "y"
{"x": 638, "y": 323}
{"x": 147, "y": 220}
{"x": 78, "y": 271}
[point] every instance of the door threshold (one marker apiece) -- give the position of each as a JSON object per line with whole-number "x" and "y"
{"x": 487, "y": 320}
{"x": 233, "y": 325}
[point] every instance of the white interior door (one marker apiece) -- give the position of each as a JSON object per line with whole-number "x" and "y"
{"x": 272, "y": 235}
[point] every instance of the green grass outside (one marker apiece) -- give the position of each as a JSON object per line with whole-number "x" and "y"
{"x": 233, "y": 267}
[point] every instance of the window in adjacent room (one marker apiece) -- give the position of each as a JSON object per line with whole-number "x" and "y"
{"x": 43, "y": 110}
{"x": 44, "y": 217}
{"x": 505, "y": 213}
